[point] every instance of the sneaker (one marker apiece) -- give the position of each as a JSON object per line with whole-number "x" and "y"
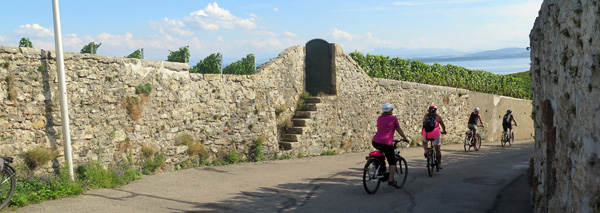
{"x": 393, "y": 183}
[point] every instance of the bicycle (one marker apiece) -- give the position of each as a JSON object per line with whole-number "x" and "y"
{"x": 375, "y": 170}
{"x": 8, "y": 181}
{"x": 469, "y": 141}
{"x": 507, "y": 138}
{"x": 431, "y": 158}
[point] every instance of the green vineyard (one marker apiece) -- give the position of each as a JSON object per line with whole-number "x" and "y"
{"x": 442, "y": 75}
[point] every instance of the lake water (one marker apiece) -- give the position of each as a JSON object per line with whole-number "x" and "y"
{"x": 497, "y": 66}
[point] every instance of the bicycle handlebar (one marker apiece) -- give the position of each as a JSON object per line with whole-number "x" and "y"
{"x": 401, "y": 140}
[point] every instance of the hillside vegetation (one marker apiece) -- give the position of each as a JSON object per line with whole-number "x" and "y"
{"x": 442, "y": 75}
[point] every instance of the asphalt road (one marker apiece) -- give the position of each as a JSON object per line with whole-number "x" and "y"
{"x": 490, "y": 180}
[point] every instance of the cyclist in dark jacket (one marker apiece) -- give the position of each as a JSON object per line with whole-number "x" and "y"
{"x": 507, "y": 122}
{"x": 473, "y": 125}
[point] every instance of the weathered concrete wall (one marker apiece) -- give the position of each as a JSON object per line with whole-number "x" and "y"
{"x": 224, "y": 112}
{"x": 565, "y": 43}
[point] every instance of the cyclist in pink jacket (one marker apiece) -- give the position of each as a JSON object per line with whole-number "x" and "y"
{"x": 431, "y": 130}
{"x": 384, "y": 138}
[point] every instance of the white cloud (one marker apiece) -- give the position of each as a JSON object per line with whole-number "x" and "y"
{"x": 33, "y": 30}
{"x": 168, "y": 26}
{"x": 220, "y": 39}
{"x": 125, "y": 40}
{"x": 339, "y": 34}
{"x": 275, "y": 9}
{"x": 366, "y": 42}
{"x": 288, "y": 34}
{"x": 213, "y": 18}
{"x": 1, "y": 38}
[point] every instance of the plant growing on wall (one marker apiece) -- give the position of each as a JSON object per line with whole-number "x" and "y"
{"x": 25, "y": 42}
{"x": 88, "y": 48}
{"x": 210, "y": 65}
{"x": 12, "y": 92}
{"x": 182, "y": 55}
{"x": 135, "y": 104}
{"x": 39, "y": 156}
{"x": 135, "y": 54}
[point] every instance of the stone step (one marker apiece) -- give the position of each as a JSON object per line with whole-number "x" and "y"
{"x": 291, "y": 137}
{"x": 308, "y": 107}
{"x": 303, "y": 114}
{"x": 285, "y": 145}
{"x": 300, "y": 122}
{"x": 313, "y": 100}
{"x": 295, "y": 130}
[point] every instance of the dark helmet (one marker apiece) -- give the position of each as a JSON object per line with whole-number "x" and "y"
{"x": 508, "y": 111}
{"x": 432, "y": 108}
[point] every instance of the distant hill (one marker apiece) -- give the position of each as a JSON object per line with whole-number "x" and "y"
{"x": 484, "y": 55}
{"x": 415, "y": 53}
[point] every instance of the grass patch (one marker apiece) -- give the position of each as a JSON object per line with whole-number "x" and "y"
{"x": 328, "y": 152}
{"x": 280, "y": 109}
{"x": 135, "y": 105}
{"x": 259, "y": 149}
{"x": 39, "y": 156}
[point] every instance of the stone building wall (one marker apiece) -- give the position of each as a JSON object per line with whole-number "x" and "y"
{"x": 223, "y": 112}
{"x": 565, "y": 44}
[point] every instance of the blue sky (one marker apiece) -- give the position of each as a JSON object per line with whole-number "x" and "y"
{"x": 266, "y": 27}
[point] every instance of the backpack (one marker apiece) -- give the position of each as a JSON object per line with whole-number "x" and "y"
{"x": 429, "y": 123}
{"x": 507, "y": 119}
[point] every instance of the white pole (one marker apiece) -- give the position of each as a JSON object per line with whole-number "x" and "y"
{"x": 62, "y": 87}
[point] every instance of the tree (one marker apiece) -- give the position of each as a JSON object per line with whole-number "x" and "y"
{"x": 244, "y": 66}
{"x": 135, "y": 54}
{"x": 210, "y": 65}
{"x": 88, "y": 48}
{"x": 25, "y": 42}
{"x": 181, "y": 55}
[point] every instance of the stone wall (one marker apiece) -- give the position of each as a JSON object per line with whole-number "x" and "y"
{"x": 347, "y": 121}
{"x": 223, "y": 112}
{"x": 565, "y": 44}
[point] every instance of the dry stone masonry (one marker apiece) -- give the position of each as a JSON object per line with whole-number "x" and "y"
{"x": 223, "y": 112}
{"x": 565, "y": 44}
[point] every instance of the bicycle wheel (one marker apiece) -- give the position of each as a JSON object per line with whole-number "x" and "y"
{"x": 7, "y": 186}
{"x": 512, "y": 139}
{"x": 478, "y": 143}
{"x": 401, "y": 171}
{"x": 503, "y": 139}
{"x": 434, "y": 159}
{"x": 430, "y": 164}
{"x": 467, "y": 144}
{"x": 370, "y": 180}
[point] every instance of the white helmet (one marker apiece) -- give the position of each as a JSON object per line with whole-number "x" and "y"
{"x": 387, "y": 107}
{"x": 476, "y": 109}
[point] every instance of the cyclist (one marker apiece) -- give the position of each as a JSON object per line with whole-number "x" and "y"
{"x": 473, "y": 125}
{"x": 384, "y": 138}
{"x": 432, "y": 122}
{"x": 507, "y": 122}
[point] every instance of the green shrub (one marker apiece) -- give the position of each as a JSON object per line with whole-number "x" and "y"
{"x": 37, "y": 189}
{"x": 233, "y": 157}
{"x": 153, "y": 163}
{"x": 94, "y": 175}
{"x": 143, "y": 89}
{"x": 259, "y": 149}
{"x": 328, "y": 152}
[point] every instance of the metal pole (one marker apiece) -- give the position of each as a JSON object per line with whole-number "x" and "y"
{"x": 62, "y": 87}
{"x": 142, "y": 51}
{"x": 92, "y": 47}
{"x": 221, "y": 64}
